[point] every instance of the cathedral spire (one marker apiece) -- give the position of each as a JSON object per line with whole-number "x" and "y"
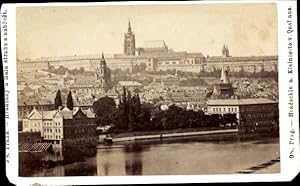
{"x": 129, "y": 27}
{"x": 102, "y": 59}
{"x": 225, "y": 51}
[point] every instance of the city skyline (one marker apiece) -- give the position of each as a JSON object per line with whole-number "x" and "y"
{"x": 102, "y": 28}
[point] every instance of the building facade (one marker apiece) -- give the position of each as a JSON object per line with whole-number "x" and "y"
{"x": 63, "y": 127}
{"x": 252, "y": 114}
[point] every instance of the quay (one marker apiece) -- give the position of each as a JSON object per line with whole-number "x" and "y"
{"x": 180, "y": 134}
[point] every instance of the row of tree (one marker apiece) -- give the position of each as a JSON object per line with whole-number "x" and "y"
{"x": 131, "y": 115}
{"x": 61, "y": 70}
{"x": 242, "y": 73}
{"x": 58, "y": 100}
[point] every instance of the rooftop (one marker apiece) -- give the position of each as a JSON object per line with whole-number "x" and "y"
{"x": 129, "y": 83}
{"x": 85, "y": 81}
{"x": 250, "y": 101}
{"x": 154, "y": 44}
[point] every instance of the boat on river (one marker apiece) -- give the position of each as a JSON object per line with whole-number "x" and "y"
{"x": 108, "y": 140}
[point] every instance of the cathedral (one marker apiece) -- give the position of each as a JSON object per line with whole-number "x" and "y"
{"x": 156, "y": 56}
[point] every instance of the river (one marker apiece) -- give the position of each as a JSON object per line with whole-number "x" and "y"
{"x": 171, "y": 157}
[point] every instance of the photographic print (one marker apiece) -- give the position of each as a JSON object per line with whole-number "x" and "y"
{"x": 186, "y": 89}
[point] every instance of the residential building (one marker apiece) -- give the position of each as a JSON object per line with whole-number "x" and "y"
{"x": 252, "y": 114}
{"x": 63, "y": 127}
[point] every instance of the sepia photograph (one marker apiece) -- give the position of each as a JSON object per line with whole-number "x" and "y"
{"x": 121, "y": 90}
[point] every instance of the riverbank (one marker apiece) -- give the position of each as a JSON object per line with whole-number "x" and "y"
{"x": 272, "y": 166}
{"x": 134, "y": 136}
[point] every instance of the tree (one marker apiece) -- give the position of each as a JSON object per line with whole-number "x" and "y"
{"x": 105, "y": 109}
{"x": 81, "y": 70}
{"x": 131, "y": 116}
{"x": 70, "y": 104}
{"x": 57, "y": 100}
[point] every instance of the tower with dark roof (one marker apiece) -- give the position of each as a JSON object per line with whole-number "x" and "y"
{"x": 129, "y": 42}
{"x": 101, "y": 72}
{"x": 225, "y": 51}
{"x": 224, "y": 88}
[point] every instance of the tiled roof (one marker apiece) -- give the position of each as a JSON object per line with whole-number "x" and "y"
{"x": 195, "y": 55}
{"x": 48, "y": 114}
{"x": 86, "y": 80}
{"x": 129, "y": 83}
{"x": 67, "y": 113}
{"x": 240, "y": 101}
{"x": 35, "y": 101}
{"x": 154, "y": 44}
{"x": 89, "y": 113}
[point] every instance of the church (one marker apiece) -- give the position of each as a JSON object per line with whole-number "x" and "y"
{"x": 93, "y": 84}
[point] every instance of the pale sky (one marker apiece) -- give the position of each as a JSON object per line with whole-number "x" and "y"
{"x": 247, "y": 29}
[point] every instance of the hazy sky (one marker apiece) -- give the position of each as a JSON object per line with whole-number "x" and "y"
{"x": 247, "y": 29}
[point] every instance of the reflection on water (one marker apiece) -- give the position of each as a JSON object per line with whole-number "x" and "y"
{"x": 170, "y": 157}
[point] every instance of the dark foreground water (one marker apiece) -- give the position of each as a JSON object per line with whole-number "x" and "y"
{"x": 170, "y": 157}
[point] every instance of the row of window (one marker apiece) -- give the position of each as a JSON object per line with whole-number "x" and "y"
{"x": 50, "y": 123}
{"x": 50, "y": 130}
{"x": 259, "y": 115}
{"x": 54, "y": 136}
{"x": 78, "y": 131}
{"x": 177, "y": 62}
{"x": 218, "y": 109}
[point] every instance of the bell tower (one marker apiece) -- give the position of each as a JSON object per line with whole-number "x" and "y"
{"x": 129, "y": 42}
{"x": 101, "y": 72}
{"x": 225, "y": 51}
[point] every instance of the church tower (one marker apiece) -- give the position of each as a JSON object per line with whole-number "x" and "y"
{"x": 225, "y": 51}
{"x": 101, "y": 72}
{"x": 129, "y": 42}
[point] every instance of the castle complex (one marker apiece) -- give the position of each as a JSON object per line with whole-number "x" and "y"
{"x": 156, "y": 56}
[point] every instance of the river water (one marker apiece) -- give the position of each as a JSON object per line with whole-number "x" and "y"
{"x": 171, "y": 157}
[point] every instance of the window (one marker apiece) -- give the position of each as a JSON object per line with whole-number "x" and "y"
{"x": 224, "y": 109}
{"x": 229, "y": 109}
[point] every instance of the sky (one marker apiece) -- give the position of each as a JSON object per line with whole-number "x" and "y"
{"x": 247, "y": 29}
